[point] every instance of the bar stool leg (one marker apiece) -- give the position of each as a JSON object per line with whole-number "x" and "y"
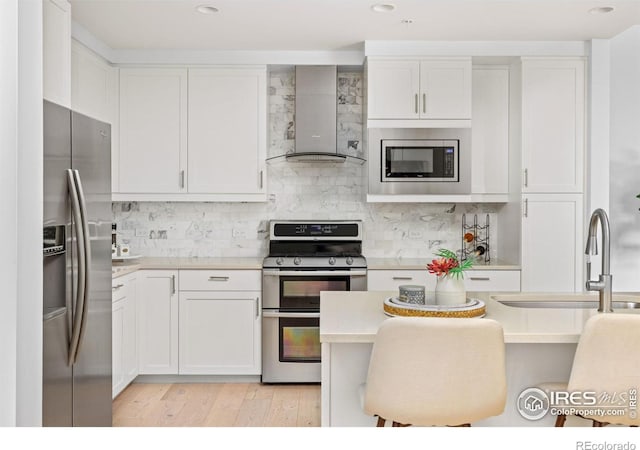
{"x": 561, "y": 420}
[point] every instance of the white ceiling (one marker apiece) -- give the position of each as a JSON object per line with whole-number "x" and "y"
{"x": 342, "y": 24}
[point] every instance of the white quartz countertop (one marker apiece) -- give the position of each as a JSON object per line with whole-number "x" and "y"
{"x": 421, "y": 264}
{"x": 122, "y": 268}
{"x": 354, "y": 317}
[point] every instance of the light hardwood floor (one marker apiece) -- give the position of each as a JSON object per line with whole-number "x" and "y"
{"x": 217, "y": 405}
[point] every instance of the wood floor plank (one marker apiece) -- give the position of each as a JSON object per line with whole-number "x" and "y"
{"x": 227, "y": 405}
{"x": 283, "y": 411}
{"x": 217, "y": 405}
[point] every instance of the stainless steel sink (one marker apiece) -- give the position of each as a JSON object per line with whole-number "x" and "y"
{"x": 566, "y": 301}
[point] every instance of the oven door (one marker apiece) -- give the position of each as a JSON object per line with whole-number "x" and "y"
{"x": 290, "y": 347}
{"x": 299, "y": 290}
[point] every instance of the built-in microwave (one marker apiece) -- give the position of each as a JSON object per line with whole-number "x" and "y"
{"x": 430, "y": 161}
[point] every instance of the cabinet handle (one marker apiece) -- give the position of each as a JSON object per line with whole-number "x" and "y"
{"x": 257, "y": 307}
{"x": 424, "y": 102}
{"x": 480, "y": 279}
{"x": 173, "y": 284}
{"x": 403, "y": 278}
{"x": 115, "y": 288}
{"x": 261, "y": 172}
{"x": 218, "y": 278}
{"x": 525, "y": 213}
{"x": 416, "y": 103}
{"x": 526, "y": 177}
{"x": 182, "y": 179}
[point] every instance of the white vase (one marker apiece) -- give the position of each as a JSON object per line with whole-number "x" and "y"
{"x": 450, "y": 290}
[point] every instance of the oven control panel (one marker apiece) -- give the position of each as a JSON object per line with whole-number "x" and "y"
{"x": 329, "y": 230}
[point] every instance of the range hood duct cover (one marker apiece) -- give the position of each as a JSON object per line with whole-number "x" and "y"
{"x": 316, "y": 115}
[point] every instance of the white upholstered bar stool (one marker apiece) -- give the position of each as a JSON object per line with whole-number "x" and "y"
{"x": 607, "y": 360}
{"x": 436, "y": 371}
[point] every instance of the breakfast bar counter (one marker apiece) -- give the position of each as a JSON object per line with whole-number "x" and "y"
{"x": 540, "y": 345}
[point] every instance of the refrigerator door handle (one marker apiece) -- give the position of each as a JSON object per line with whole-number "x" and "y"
{"x": 87, "y": 255}
{"x": 81, "y": 280}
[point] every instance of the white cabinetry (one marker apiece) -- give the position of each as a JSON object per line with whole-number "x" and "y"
{"x": 203, "y": 130}
{"x": 475, "y": 280}
{"x": 552, "y": 243}
{"x": 124, "y": 332}
{"x": 553, "y": 125}
{"x": 490, "y": 130}
{"x": 553, "y": 149}
{"x": 153, "y": 131}
{"x": 220, "y": 322}
{"x": 425, "y": 88}
{"x": 227, "y": 131}
{"x": 158, "y": 322}
{"x": 56, "y": 51}
{"x": 390, "y": 280}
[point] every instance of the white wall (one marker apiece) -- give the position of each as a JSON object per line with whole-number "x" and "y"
{"x": 21, "y": 218}
{"x": 8, "y": 200}
{"x": 625, "y": 160}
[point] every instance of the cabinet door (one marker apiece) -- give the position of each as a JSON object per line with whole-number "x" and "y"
{"x": 553, "y": 103}
{"x": 129, "y": 334}
{"x": 392, "y": 89}
{"x": 492, "y": 280}
{"x": 490, "y": 131}
{"x": 227, "y": 131}
{"x": 158, "y": 322}
{"x": 220, "y": 333}
{"x": 445, "y": 89}
{"x": 153, "y": 124}
{"x": 552, "y": 244}
{"x": 117, "y": 325}
{"x": 56, "y": 51}
{"x": 391, "y": 280}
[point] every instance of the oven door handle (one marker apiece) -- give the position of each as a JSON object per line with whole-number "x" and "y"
{"x": 318, "y": 273}
{"x": 289, "y": 315}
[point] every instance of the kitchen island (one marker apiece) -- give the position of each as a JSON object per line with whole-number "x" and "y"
{"x": 540, "y": 345}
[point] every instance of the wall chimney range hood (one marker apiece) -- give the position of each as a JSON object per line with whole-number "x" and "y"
{"x": 316, "y": 118}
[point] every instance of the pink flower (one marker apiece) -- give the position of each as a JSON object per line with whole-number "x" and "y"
{"x": 442, "y": 266}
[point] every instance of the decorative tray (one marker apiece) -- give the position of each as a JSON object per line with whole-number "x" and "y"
{"x": 395, "y": 307}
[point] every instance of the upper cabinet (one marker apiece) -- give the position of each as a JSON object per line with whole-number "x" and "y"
{"x": 153, "y": 131}
{"x": 227, "y": 131}
{"x": 203, "y": 131}
{"x": 553, "y": 125}
{"x": 56, "y": 51}
{"x": 427, "y": 89}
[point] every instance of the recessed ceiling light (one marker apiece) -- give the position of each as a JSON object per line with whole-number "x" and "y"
{"x": 207, "y": 9}
{"x": 601, "y": 10}
{"x": 383, "y": 7}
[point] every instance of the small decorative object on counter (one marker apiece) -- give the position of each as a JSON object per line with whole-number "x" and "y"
{"x": 411, "y": 293}
{"x": 450, "y": 288}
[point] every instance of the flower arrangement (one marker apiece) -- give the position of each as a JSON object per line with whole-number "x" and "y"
{"x": 448, "y": 264}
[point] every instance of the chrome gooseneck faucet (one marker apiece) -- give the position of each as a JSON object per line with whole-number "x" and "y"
{"x": 603, "y": 285}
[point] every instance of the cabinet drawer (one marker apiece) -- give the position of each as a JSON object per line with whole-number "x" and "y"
{"x": 390, "y": 280}
{"x": 220, "y": 280}
{"x": 119, "y": 288}
{"x": 492, "y": 280}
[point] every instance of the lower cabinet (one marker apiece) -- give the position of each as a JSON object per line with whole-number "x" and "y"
{"x": 475, "y": 280}
{"x": 200, "y": 322}
{"x": 220, "y": 333}
{"x": 124, "y": 332}
{"x": 158, "y": 322}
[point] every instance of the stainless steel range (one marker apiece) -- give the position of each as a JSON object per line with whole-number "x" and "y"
{"x": 305, "y": 258}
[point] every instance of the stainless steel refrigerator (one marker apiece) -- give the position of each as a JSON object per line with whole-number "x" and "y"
{"x": 77, "y": 270}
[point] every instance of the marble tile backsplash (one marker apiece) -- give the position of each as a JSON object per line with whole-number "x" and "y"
{"x": 299, "y": 191}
